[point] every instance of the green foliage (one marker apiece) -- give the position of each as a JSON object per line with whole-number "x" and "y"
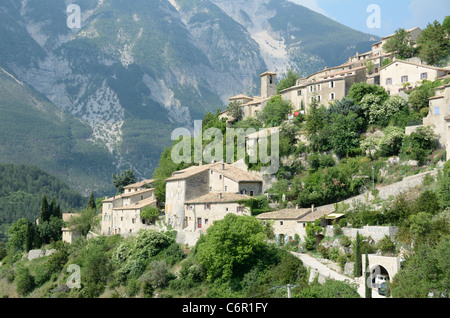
{"x": 123, "y": 179}
{"x": 391, "y": 142}
{"x": 330, "y": 289}
{"x": 24, "y": 281}
{"x": 344, "y": 133}
{"x": 419, "y": 97}
{"x": 419, "y": 144}
{"x": 234, "y": 109}
{"x": 359, "y": 90}
{"x": 21, "y": 194}
{"x": 357, "y": 268}
{"x": 82, "y": 221}
{"x": 433, "y": 43}
{"x": 230, "y": 246}
{"x": 275, "y": 112}
{"x": 150, "y": 214}
{"x": 289, "y": 80}
{"x": 401, "y": 43}
{"x": 425, "y": 273}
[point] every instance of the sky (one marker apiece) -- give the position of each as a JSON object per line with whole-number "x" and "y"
{"x": 381, "y": 17}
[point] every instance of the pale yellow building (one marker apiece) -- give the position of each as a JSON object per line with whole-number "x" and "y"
{"x": 121, "y": 214}
{"x": 68, "y": 234}
{"x": 198, "y": 183}
{"x": 439, "y": 116}
{"x": 401, "y": 75}
{"x": 324, "y": 87}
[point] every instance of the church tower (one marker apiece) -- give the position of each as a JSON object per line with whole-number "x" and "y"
{"x": 268, "y": 84}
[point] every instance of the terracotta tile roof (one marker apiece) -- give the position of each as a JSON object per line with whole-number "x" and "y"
{"x": 230, "y": 172}
{"x": 137, "y": 205}
{"x": 234, "y": 173}
{"x": 140, "y": 184}
{"x": 128, "y": 194}
{"x": 188, "y": 172}
{"x": 317, "y": 214}
{"x": 286, "y": 214}
{"x": 240, "y": 96}
{"x": 222, "y": 197}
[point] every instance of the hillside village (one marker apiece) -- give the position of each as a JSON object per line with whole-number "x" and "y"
{"x": 200, "y": 195}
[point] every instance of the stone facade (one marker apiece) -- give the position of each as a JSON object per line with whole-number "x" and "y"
{"x": 439, "y": 116}
{"x": 122, "y": 214}
{"x": 328, "y": 85}
{"x": 199, "y": 195}
{"x": 400, "y": 75}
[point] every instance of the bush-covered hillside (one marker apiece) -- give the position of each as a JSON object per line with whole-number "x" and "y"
{"x": 21, "y": 190}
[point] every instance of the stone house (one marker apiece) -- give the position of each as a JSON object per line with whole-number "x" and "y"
{"x": 68, "y": 235}
{"x": 325, "y": 86}
{"x": 190, "y": 190}
{"x": 252, "y": 105}
{"x": 290, "y": 222}
{"x": 203, "y": 211}
{"x": 401, "y": 75}
{"x": 121, "y": 214}
{"x": 439, "y": 116}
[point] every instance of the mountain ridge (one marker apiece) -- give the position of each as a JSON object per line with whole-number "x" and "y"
{"x": 135, "y": 71}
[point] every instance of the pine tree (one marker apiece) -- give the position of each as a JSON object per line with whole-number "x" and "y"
{"x": 91, "y": 202}
{"x": 45, "y": 210}
{"x": 357, "y": 269}
{"x": 368, "y": 288}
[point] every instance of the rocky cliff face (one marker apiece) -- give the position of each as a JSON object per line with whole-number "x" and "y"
{"x": 136, "y": 70}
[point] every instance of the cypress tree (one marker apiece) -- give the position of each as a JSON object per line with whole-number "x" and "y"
{"x": 368, "y": 288}
{"x": 91, "y": 202}
{"x": 45, "y": 210}
{"x": 357, "y": 269}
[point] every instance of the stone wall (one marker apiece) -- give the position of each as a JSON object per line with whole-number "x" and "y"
{"x": 377, "y": 233}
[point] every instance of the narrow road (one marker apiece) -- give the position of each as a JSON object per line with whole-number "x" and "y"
{"x": 324, "y": 271}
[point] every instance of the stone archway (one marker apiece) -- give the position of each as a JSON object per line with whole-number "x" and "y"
{"x": 382, "y": 265}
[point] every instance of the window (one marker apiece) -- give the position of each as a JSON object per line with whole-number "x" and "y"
{"x": 319, "y": 87}
{"x": 220, "y": 177}
{"x": 251, "y": 193}
{"x": 226, "y": 188}
{"x": 206, "y": 221}
{"x": 281, "y": 222}
{"x": 239, "y": 209}
{"x": 199, "y": 223}
{"x": 133, "y": 221}
{"x": 332, "y": 96}
{"x": 404, "y": 78}
{"x": 142, "y": 197}
{"x": 226, "y": 209}
{"x": 389, "y": 81}
{"x": 207, "y": 206}
{"x": 436, "y": 110}
{"x": 299, "y": 93}
{"x": 270, "y": 79}
{"x": 423, "y": 76}
{"x": 332, "y": 84}
{"x": 319, "y": 99}
{"x": 210, "y": 189}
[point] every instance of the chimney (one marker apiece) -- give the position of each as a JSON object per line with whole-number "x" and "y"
{"x": 312, "y": 208}
{"x": 296, "y": 206}
{"x": 223, "y": 166}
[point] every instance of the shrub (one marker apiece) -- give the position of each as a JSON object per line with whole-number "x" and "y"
{"x": 24, "y": 281}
